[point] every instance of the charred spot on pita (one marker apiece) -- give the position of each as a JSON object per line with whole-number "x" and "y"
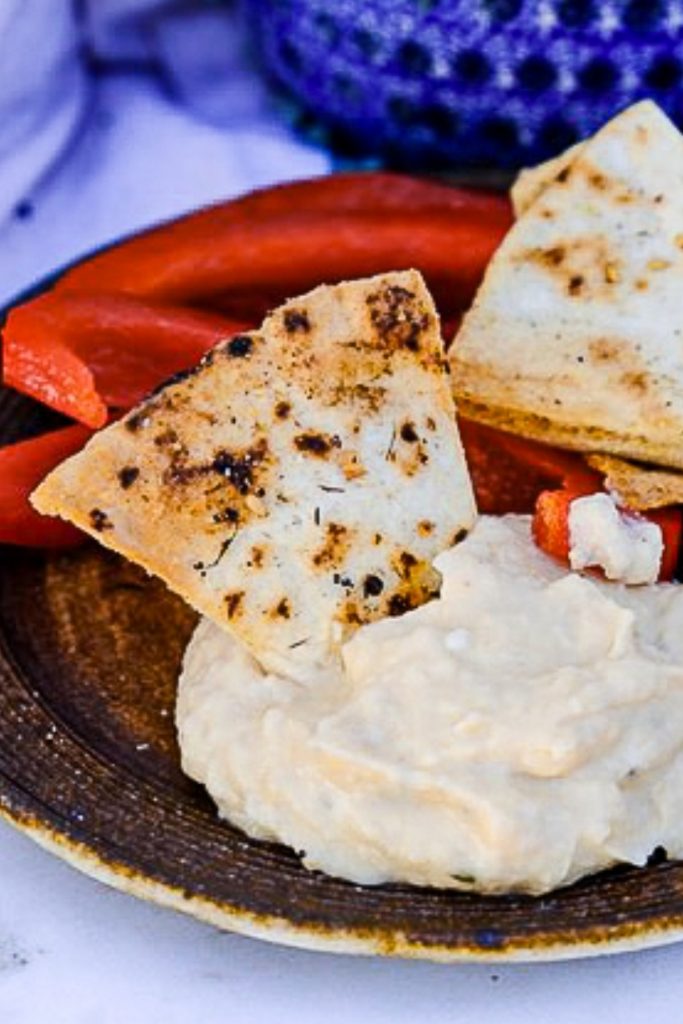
{"x": 555, "y": 255}
{"x": 409, "y": 433}
{"x": 597, "y": 180}
{"x": 256, "y": 557}
{"x": 335, "y": 546}
{"x": 372, "y": 586}
{"x": 602, "y": 350}
{"x": 282, "y": 609}
{"x": 399, "y": 604}
{"x": 233, "y": 603}
{"x": 239, "y": 468}
{"x": 318, "y": 444}
{"x": 296, "y": 321}
{"x": 226, "y": 515}
{"x": 138, "y": 420}
{"x": 635, "y": 382}
{"x": 351, "y": 615}
{"x": 407, "y": 563}
{"x": 397, "y": 318}
{"x": 240, "y": 346}
{"x": 127, "y": 476}
{"x": 99, "y": 520}
{"x": 166, "y": 438}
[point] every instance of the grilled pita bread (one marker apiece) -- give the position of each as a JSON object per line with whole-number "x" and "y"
{"x": 531, "y": 182}
{"x": 639, "y": 487}
{"x": 576, "y": 335}
{"x": 299, "y": 481}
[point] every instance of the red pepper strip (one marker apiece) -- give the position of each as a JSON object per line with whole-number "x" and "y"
{"x": 670, "y": 522}
{"x": 50, "y": 372}
{"x": 79, "y": 353}
{"x": 509, "y": 472}
{"x": 291, "y": 253}
{"x": 566, "y": 467}
{"x": 22, "y": 467}
{"x": 449, "y": 329}
{"x": 160, "y": 261}
{"x": 356, "y": 191}
{"x": 551, "y": 526}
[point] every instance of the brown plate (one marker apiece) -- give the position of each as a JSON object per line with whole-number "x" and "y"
{"x": 90, "y": 650}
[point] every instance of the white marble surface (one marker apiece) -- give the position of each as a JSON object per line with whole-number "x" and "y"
{"x": 75, "y": 952}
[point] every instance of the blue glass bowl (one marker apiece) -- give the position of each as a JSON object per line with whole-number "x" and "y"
{"x": 451, "y": 83}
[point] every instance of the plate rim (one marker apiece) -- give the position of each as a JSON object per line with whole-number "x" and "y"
{"x": 626, "y": 938}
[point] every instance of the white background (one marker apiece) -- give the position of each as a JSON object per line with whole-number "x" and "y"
{"x": 74, "y": 952}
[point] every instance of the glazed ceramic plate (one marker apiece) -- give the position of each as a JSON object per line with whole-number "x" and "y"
{"x": 90, "y": 650}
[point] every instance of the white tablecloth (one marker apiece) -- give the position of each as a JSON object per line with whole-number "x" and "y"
{"x": 82, "y": 161}
{"x": 87, "y": 158}
{"x": 74, "y": 952}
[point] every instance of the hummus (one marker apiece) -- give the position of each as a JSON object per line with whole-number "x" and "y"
{"x": 524, "y": 729}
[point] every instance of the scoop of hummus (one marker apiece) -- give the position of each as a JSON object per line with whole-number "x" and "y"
{"x": 519, "y": 732}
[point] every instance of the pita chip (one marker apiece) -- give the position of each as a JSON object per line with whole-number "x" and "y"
{"x": 531, "y": 182}
{"x": 576, "y": 334}
{"x": 299, "y": 481}
{"x": 636, "y": 486}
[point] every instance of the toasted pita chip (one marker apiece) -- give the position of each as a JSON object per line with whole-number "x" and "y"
{"x": 299, "y": 482}
{"x": 639, "y": 487}
{"x": 576, "y": 334}
{"x": 531, "y": 182}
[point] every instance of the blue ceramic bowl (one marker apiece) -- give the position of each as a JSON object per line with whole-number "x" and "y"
{"x": 444, "y": 83}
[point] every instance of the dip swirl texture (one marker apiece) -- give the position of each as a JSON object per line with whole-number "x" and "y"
{"x": 519, "y": 732}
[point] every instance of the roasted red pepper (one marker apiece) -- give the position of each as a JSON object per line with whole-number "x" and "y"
{"x": 551, "y": 526}
{"x": 52, "y": 373}
{"x": 249, "y": 254}
{"x": 118, "y": 324}
{"x": 558, "y": 464}
{"x": 354, "y": 191}
{"x": 509, "y": 472}
{"x": 79, "y": 353}
{"x": 22, "y": 467}
{"x": 670, "y": 522}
